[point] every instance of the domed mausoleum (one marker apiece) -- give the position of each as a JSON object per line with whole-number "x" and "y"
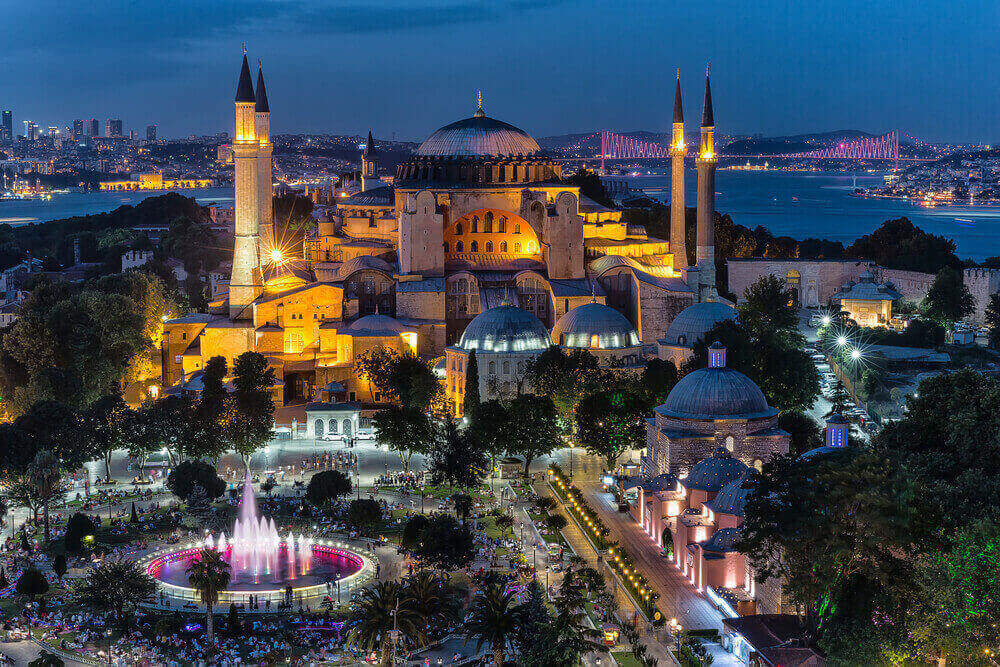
{"x": 505, "y": 339}
{"x": 689, "y": 328}
{"x": 711, "y": 408}
{"x": 602, "y": 331}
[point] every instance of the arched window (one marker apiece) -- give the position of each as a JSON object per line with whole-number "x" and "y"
{"x": 475, "y": 224}
{"x": 446, "y": 247}
{"x": 506, "y": 368}
{"x": 517, "y": 247}
{"x": 319, "y": 428}
{"x": 488, "y": 224}
{"x": 493, "y": 368}
{"x": 517, "y": 229}
{"x": 458, "y": 246}
{"x": 458, "y": 229}
{"x": 503, "y": 246}
{"x": 502, "y": 225}
{"x": 474, "y": 247}
{"x": 489, "y": 246}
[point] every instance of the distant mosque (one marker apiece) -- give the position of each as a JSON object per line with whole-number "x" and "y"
{"x": 477, "y": 244}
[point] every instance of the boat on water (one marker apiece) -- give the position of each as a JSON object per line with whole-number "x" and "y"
{"x": 965, "y": 222}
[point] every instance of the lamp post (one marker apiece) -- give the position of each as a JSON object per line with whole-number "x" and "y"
{"x": 110, "y": 645}
{"x": 571, "y": 447}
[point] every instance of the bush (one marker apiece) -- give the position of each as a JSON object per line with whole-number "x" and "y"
{"x": 364, "y": 513}
{"x": 410, "y": 539}
{"x": 32, "y": 583}
{"x": 78, "y": 527}
{"x": 189, "y": 474}
{"x": 555, "y": 521}
{"x": 327, "y": 486}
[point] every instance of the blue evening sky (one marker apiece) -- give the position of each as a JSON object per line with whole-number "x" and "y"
{"x": 927, "y": 68}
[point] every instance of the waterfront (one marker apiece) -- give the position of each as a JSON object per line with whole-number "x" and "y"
{"x": 821, "y": 205}
{"x": 797, "y": 204}
{"x": 24, "y": 211}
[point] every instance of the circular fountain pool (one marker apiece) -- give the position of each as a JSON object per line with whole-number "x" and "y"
{"x": 325, "y": 564}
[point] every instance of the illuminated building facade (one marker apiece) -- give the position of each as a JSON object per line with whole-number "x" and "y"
{"x": 156, "y": 182}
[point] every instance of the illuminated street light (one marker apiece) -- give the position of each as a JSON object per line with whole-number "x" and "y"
{"x": 276, "y": 256}
{"x": 855, "y": 354}
{"x": 826, "y": 320}
{"x": 842, "y": 340}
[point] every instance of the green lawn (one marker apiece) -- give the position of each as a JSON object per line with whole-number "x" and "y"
{"x": 625, "y": 659}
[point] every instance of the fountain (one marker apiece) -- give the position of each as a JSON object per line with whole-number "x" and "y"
{"x": 263, "y": 563}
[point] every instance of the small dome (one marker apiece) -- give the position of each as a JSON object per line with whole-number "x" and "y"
{"x": 716, "y": 392}
{"x": 715, "y": 472}
{"x": 377, "y": 324}
{"x": 731, "y": 499}
{"x": 479, "y": 136}
{"x": 692, "y": 323}
{"x": 505, "y": 329}
{"x": 592, "y": 323}
{"x": 722, "y": 541}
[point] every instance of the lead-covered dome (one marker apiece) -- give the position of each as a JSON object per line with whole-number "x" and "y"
{"x": 715, "y": 472}
{"x": 594, "y": 325}
{"x": 479, "y": 136}
{"x": 692, "y": 323}
{"x": 505, "y": 329}
{"x": 716, "y": 392}
{"x": 732, "y": 498}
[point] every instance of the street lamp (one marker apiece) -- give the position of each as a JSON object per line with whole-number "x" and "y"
{"x": 855, "y": 354}
{"x": 841, "y": 340}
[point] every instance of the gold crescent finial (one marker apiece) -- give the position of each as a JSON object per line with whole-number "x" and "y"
{"x": 708, "y": 68}
{"x": 244, "y": 48}
{"x": 678, "y": 73}
{"x": 479, "y": 99}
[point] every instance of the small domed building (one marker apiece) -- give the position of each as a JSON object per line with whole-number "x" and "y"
{"x": 602, "y": 331}
{"x": 689, "y": 328}
{"x": 505, "y": 339}
{"x": 710, "y": 408}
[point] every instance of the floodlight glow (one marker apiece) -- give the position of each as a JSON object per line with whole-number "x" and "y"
{"x": 276, "y": 256}
{"x": 855, "y": 354}
{"x": 826, "y": 320}
{"x": 841, "y": 340}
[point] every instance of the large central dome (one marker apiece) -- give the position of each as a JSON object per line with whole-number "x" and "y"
{"x": 479, "y": 136}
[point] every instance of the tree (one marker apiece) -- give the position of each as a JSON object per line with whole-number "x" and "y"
{"x": 556, "y": 522}
{"x": 405, "y": 430}
{"x": 21, "y": 492}
{"x": 563, "y": 641}
{"x": 533, "y": 616}
{"x": 435, "y": 596}
{"x": 31, "y": 583}
{"x": 364, "y": 513}
{"x": 765, "y": 308}
{"x": 899, "y": 244}
{"x": 591, "y": 186}
{"x": 111, "y": 425}
{"x": 505, "y": 522}
{"x": 373, "y": 365}
{"x": 118, "y": 588}
{"x": 658, "y": 378}
{"x": 188, "y": 474}
{"x": 209, "y": 574}
{"x": 565, "y": 378}
{"x": 250, "y": 417}
{"x": 45, "y": 475}
{"x": 805, "y": 432}
{"x": 47, "y": 659}
{"x": 489, "y": 429}
{"x": 168, "y": 423}
{"x": 327, "y": 486}
{"x": 534, "y": 428}
{"x": 412, "y": 531}
{"x": 78, "y": 527}
{"x": 445, "y": 543}
{"x": 411, "y": 382}
{"x": 380, "y": 610}
{"x": 992, "y": 316}
{"x": 456, "y": 460}
{"x": 470, "y": 402}
{"x": 59, "y": 566}
{"x": 949, "y": 299}
{"x": 463, "y": 505}
{"x": 492, "y": 621}
{"x": 57, "y": 428}
{"x": 612, "y": 422}
{"x": 210, "y": 413}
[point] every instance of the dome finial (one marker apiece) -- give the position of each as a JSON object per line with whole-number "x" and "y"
{"x": 479, "y": 104}
{"x": 506, "y": 296}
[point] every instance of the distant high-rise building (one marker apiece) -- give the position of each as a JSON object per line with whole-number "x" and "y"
{"x": 151, "y": 133}
{"x": 53, "y": 131}
{"x": 133, "y": 135}
{"x": 77, "y": 130}
{"x": 113, "y": 127}
{"x": 30, "y": 130}
{"x": 93, "y": 128}
{"x": 7, "y": 125}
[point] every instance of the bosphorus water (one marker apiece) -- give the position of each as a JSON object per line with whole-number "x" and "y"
{"x": 821, "y": 205}
{"x": 797, "y": 204}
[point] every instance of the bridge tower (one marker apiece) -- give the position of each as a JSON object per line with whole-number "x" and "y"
{"x": 706, "y": 163}
{"x": 678, "y": 149}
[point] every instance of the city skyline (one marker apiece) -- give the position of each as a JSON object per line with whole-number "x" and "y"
{"x": 341, "y": 67}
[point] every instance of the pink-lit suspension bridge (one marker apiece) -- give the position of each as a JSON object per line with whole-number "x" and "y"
{"x": 616, "y": 146}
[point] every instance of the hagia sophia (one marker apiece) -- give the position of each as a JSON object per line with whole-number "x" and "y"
{"x": 475, "y": 243}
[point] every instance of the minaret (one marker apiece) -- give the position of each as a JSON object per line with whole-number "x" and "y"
{"x": 678, "y": 149}
{"x": 369, "y": 164}
{"x": 246, "y": 281}
{"x": 262, "y": 126}
{"x": 706, "y": 163}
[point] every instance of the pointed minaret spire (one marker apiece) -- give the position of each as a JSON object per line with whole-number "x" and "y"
{"x": 479, "y": 103}
{"x": 261, "y": 106}
{"x": 244, "y": 89}
{"x": 707, "y": 117}
{"x": 678, "y": 107}
{"x": 370, "y": 144}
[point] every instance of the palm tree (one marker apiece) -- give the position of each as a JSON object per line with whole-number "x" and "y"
{"x": 379, "y": 610}
{"x": 44, "y": 473}
{"x": 436, "y": 597}
{"x": 209, "y": 575}
{"x": 505, "y": 522}
{"x": 492, "y": 621}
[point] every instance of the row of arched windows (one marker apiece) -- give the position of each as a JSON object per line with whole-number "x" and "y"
{"x": 487, "y": 226}
{"x": 474, "y": 247}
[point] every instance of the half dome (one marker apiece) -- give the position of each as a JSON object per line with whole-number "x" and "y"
{"x": 505, "y": 329}
{"x": 594, "y": 325}
{"x": 479, "y": 136}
